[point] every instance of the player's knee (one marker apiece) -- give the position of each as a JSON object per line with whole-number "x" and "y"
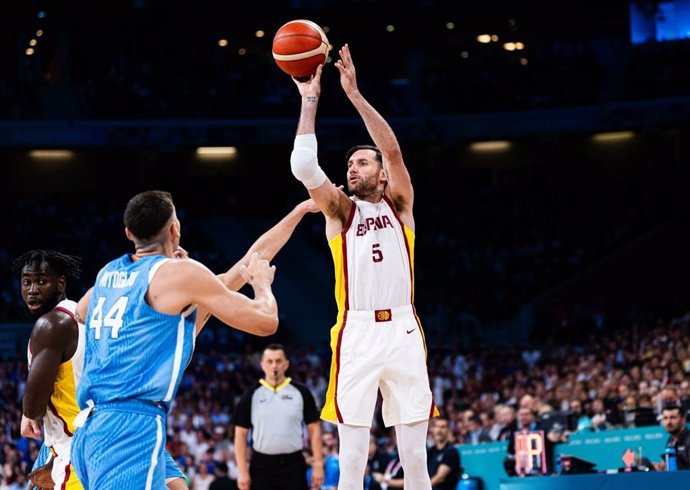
{"x": 352, "y": 460}
{"x": 414, "y": 458}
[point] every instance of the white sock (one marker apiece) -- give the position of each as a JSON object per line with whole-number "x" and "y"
{"x": 354, "y": 452}
{"x": 412, "y": 451}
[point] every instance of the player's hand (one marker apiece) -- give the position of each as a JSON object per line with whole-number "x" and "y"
{"x": 348, "y": 76}
{"x": 308, "y": 206}
{"x": 317, "y": 476}
{"x": 310, "y": 87}
{"x": 244, "y": 482}
{"x": 31, "y": 428}
{"x": 257, "y": 271}
{"x": 40, "y": 478}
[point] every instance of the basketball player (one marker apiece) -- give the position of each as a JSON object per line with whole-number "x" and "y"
{"x": 56, "y": 356}
{"x": 43, "y": 275}
{"x": 140, "y": 328}
{"x": 377, "y": 341}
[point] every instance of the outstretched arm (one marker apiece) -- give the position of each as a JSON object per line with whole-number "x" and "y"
{"x": 270, "y": 243}
{"x": 304, "y": 162}
{"x": 180, "y": 283}
{"x": 267, "y": 246}
{"x": 399, "y": 182}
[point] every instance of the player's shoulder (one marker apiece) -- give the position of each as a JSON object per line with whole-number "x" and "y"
{"x": 55, "y": 318}
{"x": 56, "y": 325}
{"x": 182, "y": 270}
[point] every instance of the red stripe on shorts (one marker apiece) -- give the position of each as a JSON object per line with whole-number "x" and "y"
{"x": 337, "y": 366}
{"x": 67, "y": 472}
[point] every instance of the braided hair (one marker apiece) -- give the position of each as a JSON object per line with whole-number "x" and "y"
{"x": 65, "y": 265}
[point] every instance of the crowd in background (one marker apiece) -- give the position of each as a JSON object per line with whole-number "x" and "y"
{"x": 480, "y": 391}
{"x": 540, "y": 234}
{"x": 443, "y": 71}
{"x": 93, "y": 231}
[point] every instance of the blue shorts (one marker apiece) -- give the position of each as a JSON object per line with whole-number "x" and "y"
{"x": 172, "y": 470}
{"x": 41, "y": 459}
{"x": 122, "y": 445}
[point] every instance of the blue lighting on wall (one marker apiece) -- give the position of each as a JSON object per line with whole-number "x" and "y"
{"x": 670, "y": 22}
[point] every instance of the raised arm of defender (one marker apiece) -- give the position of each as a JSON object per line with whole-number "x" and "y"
{"x": 181, "y": 283}
{"x": 266, "y": 246}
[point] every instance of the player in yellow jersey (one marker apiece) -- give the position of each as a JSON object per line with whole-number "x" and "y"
{"x": 56, "y": 356}
{"x": 377, "y": 341}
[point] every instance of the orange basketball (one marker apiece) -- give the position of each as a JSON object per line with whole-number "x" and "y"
{"x": 299, "y": 47}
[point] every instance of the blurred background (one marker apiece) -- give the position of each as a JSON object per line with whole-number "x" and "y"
{"x": 548, "y": 142}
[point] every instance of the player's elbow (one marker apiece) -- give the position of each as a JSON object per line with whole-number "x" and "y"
{"x": 305, "y": 167}
{"x": 33, "y": 412}
{"x": 268, "y": 326}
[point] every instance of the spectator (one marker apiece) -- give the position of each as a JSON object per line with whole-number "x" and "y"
{"x": 393, "y": 475}
{"x": 332, "y": 463}
{"x": 583, "y": 420}
{"x": 507, "y": 423}
{"x": 202, "y": 479}
{"x": 599, "y": 416}
{"x": 222, "y": 480}
{"x": 476, "y": 433}
{"x": 443, "y": 458}
{"x": 673, "y": 420}
{"x": 377, "y": 463}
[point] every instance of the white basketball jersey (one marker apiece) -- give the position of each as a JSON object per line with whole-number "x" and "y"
{"x": 377, "y": 252}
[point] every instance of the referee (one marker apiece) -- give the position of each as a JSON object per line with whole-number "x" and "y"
{"x": 276, "y": 409}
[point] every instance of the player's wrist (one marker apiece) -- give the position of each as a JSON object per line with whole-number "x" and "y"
{"x": 353, "y": 94}
{"x": 310, "y": 98}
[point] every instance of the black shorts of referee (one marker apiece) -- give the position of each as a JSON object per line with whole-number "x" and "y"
{"x": 278, "y": 472}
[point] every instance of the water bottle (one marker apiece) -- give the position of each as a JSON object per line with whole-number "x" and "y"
{"x": 670, "y": 459}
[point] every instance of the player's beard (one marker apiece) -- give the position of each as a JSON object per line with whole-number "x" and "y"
{"x": 50, "y": 303}
{"x": 366, "y": 186}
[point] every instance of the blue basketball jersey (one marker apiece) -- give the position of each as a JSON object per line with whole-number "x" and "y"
{"x": 132, "y": 351}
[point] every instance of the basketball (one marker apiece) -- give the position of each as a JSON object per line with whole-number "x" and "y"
{"x": 299, "y": 47}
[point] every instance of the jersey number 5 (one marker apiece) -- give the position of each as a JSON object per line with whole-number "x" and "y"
{"x": 376, "y": 253}
{"x": 113, "y": 318}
